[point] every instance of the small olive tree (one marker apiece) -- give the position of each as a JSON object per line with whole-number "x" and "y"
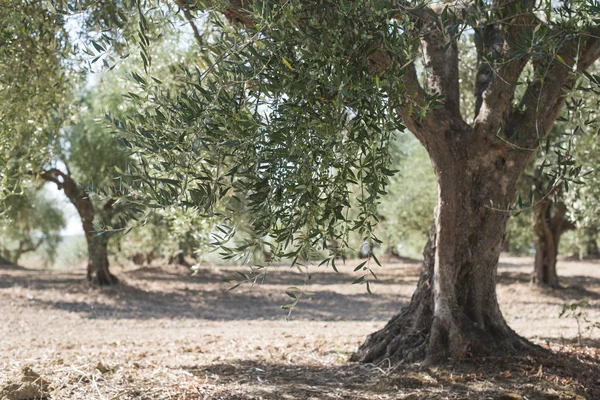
{"x": 29, "y": 222}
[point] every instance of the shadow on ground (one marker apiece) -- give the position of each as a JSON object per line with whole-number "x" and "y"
{"x": 572, "y": 288}
{"x": 203, "y": 297}
{"x": 559, "y": 376}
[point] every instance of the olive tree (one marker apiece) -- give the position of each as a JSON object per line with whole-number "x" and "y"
{"x": 28, "y": 222}
{"x": 293, "y": 106}
{"x": 561, "y": 204}
{"x": 51, "y": 101}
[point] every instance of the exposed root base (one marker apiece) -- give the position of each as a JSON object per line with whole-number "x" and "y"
{"x": 400, "y": 342}
{"x": 104, "y": 280}
{"x": 394, "y": 343}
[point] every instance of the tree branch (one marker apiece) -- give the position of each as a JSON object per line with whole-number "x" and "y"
{"x": 185, "y": 8}
{"x": 499, "y": 64}
{"x": 65, "y": 183}
{"x": 546, "y": 94}
{"x": 440, "y": 52}
{"x": 432, "y": 128}
{"x": 440, "y": 55}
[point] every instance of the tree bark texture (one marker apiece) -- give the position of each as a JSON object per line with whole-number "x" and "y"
{"x": 548, "y": 228}
{"x": 98, "y": 266}
{"x": 454, "y": 311}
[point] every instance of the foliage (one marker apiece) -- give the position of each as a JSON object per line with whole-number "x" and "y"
{"x": 407, "y": 209}
{"x": 35, "y": 81}
{"x": 286, "y": 115}
{"x": 577, "y": 311}
{"x": 295, "y": 114}
{"x": 30, "y": 221}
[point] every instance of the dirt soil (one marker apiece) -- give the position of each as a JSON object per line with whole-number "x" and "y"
{"x": 163, "y": 334}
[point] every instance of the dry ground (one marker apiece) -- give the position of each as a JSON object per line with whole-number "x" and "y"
{"x": 163, "y": 334}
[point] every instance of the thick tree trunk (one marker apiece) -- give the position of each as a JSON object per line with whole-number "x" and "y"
{"x": 454, "y": 311}
{"x": 548, "y": 229}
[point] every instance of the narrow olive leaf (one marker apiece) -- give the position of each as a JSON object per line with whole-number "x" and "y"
{"x": 362, "y": 264}
{"x": 373, "y": 273}
{"x": 287, "y": 63}
{"x": 376, "y": 260}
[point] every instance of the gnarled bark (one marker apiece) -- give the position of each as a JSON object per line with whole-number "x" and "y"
{"x": 454, "y": 311}
{"x": 548, "y": 229}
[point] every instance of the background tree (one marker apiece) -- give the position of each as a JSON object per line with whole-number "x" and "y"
{"x": 583, "y": 199}
{"x": 30, "y": 222}
{"x": 52, "y": 125}
{"x": 546, "y": 206}
{"x": 570, "y": 142}
{"x": 86, "y": 157}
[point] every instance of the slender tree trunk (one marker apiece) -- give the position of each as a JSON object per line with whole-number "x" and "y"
{"x": 97, "y": 269}
{"x": 97, "y": 245}
{"x": 454, "y": 311}
{"x": 548, "y": 229}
